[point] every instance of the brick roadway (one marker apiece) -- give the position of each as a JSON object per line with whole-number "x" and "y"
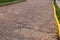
{"x": 29, "y": 20}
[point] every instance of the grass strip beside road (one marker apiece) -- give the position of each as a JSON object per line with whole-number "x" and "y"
{"x": 10, "y": 2}
{"x": 4, "y": 1}
{"x": 57, "y": 12}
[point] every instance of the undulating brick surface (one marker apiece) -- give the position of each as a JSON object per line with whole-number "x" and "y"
{"x": 29, "y": 20}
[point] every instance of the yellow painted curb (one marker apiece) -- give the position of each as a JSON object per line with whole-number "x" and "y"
{"x": 57, "y": 22}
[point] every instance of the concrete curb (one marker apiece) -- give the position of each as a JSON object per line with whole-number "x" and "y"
{"x": 57, "y": 22}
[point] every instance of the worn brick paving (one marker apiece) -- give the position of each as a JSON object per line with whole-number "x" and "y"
{"x": 29, "y": 20}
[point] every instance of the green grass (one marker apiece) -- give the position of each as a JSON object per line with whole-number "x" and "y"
{"x": 6, "y": 2}
{"x": 57, "y": 11}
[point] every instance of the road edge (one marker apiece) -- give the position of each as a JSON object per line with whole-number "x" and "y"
{"x": 8, "y": 3}
{"x": 56, "y": 19}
